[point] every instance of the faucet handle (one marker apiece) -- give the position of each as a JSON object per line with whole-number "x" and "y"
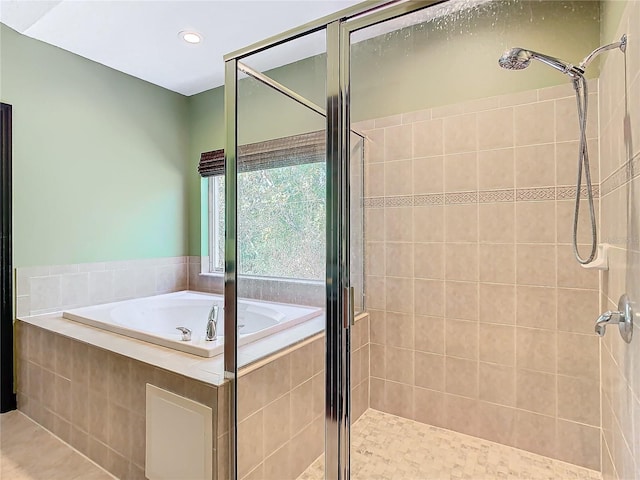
{"x": 186, "y": 333}
{"x": 212, "y": 324}
{"x": 623, "y": 317}
{"x": 605, "y": 319}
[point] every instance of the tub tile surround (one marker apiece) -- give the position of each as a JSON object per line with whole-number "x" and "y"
{"x": 620, "y": 162}
{"x": 481, "y": 320}
{"x": 94, "y": 399}
{"x": 47, "y": 289}
{"x": 299, "y": 292}
{"x": 281, "y": 408}
{"x": 94, "y": 380}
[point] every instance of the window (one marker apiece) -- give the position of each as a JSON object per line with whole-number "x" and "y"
{"x": 281, "y": 209}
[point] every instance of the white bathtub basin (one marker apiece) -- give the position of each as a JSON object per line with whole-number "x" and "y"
{"x": 154, "y": 319}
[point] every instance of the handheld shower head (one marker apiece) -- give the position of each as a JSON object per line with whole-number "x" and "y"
{"x": 519, "y": 58}
{"x": 515, "y": 59}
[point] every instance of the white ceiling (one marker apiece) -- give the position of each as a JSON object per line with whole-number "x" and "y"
{"x": 140, "y": 37}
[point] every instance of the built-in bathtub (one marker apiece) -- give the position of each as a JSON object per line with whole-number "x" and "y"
{"x": 156, "y": 319}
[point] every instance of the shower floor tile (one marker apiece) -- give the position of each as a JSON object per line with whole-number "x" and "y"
{"x": 386, "y": 447}
{"x": 29, "y": 452}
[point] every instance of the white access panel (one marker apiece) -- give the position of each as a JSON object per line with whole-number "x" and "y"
{"x": 179, "y": 437}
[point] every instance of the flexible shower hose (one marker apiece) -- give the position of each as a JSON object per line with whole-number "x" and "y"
{"x": 582, "y": 95}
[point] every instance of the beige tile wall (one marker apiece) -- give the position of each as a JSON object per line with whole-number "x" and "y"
{"x": 300, "y": 292}
{"x": 481, "y": 320}
{"x": 48, "y": 289}
{"x": 620, "y": 165}
{"x": 281, "y": 408}
{"x": 94, "y": 399}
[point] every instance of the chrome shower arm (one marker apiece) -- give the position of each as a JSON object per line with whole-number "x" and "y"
{"x": 622, "y": 45}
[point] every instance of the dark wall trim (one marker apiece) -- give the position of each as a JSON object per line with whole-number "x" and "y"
{"x": 7, "y": 394}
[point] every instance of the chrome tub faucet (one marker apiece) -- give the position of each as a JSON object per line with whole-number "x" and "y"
{"x": 212, "y": 324}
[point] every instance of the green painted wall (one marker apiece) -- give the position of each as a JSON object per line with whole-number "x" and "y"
{"x": 437, "y": 63}
{"x": 610, "y": 15}
{"x": 454, "y": 59}
{"x": 206, "y": 132}
{"x": 100, "y": 169}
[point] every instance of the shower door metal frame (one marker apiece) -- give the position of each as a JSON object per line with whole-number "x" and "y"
{"x": 339, "y": 27}
{"x": 7, "y": 387}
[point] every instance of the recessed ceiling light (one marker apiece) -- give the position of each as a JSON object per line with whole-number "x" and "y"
{"x": 190, "y": 37}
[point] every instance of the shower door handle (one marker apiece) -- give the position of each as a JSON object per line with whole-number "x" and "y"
{"x": 348, "y": 307}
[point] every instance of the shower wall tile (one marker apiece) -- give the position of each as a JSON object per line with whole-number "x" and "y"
{"x": 461, "y": 260}
{"x": 397, "y": 143}
{"x": 536, "y": 433}
{"x": 536, "y": 349}
{"x": 428, "y": 175}
{"x": 520, "y": 98}
{"x": 564, "y": 219}
{"x": 497, "y": 304}
{"x": 496, "y": 169}
{"x": 395, "y": 177}
{"x": 568, "y": 131}
{"x": 414, "y": 117}
{"x": 485, "y": 267}
{"x": 495, "y": 128}
{"x": 535, "y": 222}
{"x": 428, "y": 138}
{"x": 460, "y": 133}
{"x": 496, "y": 222}
{"x": 536, "y": 307}
{"x": 481, "y": 104}
{"x": 497, "y": 384}
{"x": 497, "y": 263}
{"x": 497, "y": 344}
{"x": 461, "y": 223}
{"x": 429, "y": 407}
{"x": 429, "y": 334}
{"x": 428, "y": 260}
{"x": 536, "y": 391}
{"x": 534, "y": 123}
{"x": 461, "y": 339}
{"x": 496, "y": 423}
{"x": 536, "y": 264}
{"x": 535, "y": 165}
{"x": 460, "y": 172}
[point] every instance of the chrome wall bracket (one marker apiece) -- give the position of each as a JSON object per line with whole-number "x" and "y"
{"x": 623, "y": 317}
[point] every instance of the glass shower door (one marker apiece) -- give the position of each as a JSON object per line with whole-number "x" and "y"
{"x": 278, "y": 205}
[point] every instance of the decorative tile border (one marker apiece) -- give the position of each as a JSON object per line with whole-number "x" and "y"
{"x": 569, "y": 193}
{"x": 373, "y": 202}
{"x": 533, "y": 194}
{"x": 492, "y": 196}
{"x": 483, "y": 196}
{"x": 622, "y": 175}
{"x": 404, "y": 201}
{"x": 460, "y": 198}
{"x": 431, "y": 199}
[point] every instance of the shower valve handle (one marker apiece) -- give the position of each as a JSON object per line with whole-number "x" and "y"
{"x": 623, "y": 318}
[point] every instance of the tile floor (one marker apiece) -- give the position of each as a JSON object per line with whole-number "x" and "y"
{"x": 29, "y": 452}
{"x": 386, "y": 447}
